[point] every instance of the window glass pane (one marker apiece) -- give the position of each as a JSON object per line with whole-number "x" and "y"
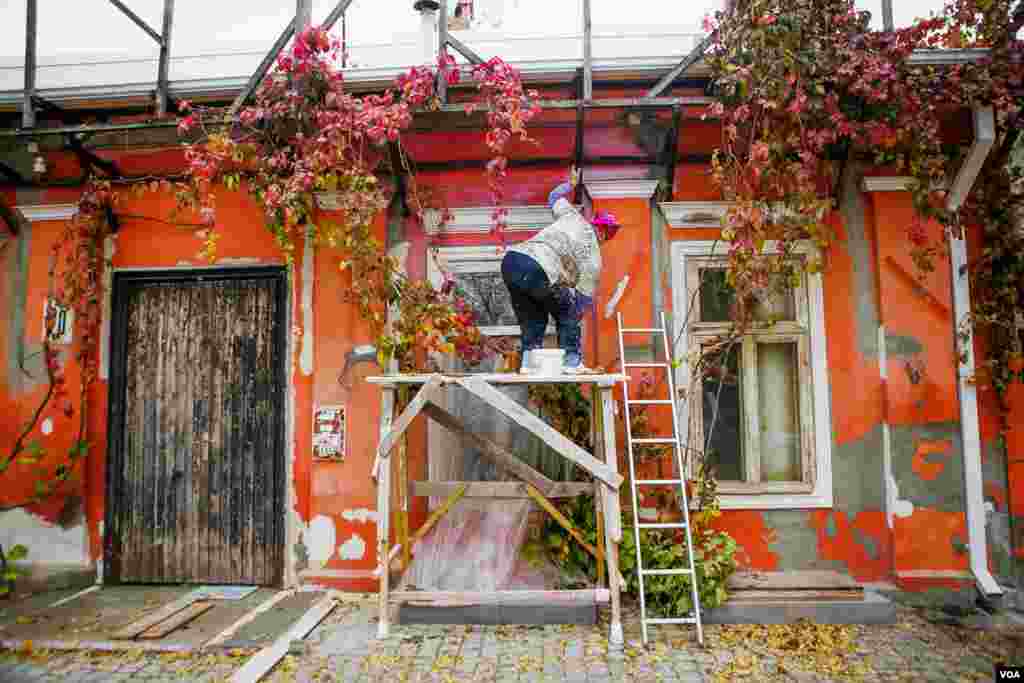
{"x": 488, "y": 297}
{"x": 779, "y": 411}
{"x": 722, "y": 411}
{"x": 716, "y": 295}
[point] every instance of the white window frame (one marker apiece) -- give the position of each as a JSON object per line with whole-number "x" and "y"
{"x": 485, "y": 259}
{"x": 820, "y": 494}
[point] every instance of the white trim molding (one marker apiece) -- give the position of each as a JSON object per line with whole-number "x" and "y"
{"x": 47, "y": 212}
{"x": 621, "y": 189}
{"x": 821, "y": 495}
{"x": 694, "y": 214}
{"x": 478, "y": 219}
{"x": 895, "y": 183}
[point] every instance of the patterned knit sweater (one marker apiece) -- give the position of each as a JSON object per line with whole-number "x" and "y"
{"x": 567, "y": 250}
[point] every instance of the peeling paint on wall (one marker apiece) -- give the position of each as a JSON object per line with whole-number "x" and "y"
{"x": 918, "y": 478}
{"x": 362, "y": 515}
{"x": 322, "y": 539}
{"x": 859, "y": 544}
{"x": 899, "y": 507}
{"x": 353, "y": 549}
{"x": 924, "y": 462}
{"x": 47, "y": 543}
{"x": 754, "y": 537}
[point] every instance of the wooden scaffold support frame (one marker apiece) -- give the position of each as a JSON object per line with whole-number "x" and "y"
{"x": 532, "y": 485}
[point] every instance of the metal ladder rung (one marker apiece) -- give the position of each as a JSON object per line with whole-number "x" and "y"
{"x": 658, "y": 439}
{"x": 649, "y": 402}
{"x": 641, "y": 330}
{"x": 659, "y": 481}
{"x": 677, "y": 620}
{"x": 661, "y": 525}
{"x": 664, "y": 572}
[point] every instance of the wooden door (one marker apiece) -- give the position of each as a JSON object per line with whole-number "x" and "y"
{"x": 196, "y": 460}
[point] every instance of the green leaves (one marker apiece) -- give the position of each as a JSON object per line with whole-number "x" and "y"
{"x": 16, "y": 553}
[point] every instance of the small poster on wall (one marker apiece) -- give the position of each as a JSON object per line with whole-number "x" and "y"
{"x": 329, "y": 433}
{"x": 63, "y": 322}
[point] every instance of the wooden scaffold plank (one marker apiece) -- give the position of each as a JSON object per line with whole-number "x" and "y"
{"x": 511, "y": 597}
{"x": 513, "y": 490}
{"x": 490, "y": 450}
{"x": 384, "y": 513}
{"x": 388, "y": 439}
{"x": 552, "y": 437}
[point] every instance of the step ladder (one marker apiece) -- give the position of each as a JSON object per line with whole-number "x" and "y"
{"x": 681, "y": 481}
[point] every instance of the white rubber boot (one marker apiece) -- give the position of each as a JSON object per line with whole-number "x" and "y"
{"x": 526, "y": 366}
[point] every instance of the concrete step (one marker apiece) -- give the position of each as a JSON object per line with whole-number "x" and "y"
{"x": 874, "y": 608}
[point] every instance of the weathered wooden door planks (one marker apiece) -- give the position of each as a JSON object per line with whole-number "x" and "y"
{"x": 195, "y": 463}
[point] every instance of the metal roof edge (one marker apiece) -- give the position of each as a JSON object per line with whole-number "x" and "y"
{"x": 373, "y": 78}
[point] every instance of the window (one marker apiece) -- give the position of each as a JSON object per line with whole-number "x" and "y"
{"x": 760, "y": 411}
{"x": 477, "y": 275}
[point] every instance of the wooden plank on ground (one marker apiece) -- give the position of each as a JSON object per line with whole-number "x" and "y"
{"x": 430, "y": 388}
{"x": 499, "y": 489}
{"x": 71, "y": 598}
{"x": 489, "y": 449}
{"x": 463, "y": 598}
{"x": 792, "y": 580}
{"x": 267, "y": 658}
{"x": 548, "y": 434}
{"x": 178, "y": 620}
{"x": 750, "y": 596}
{"x": 153, "y": 618}
{"x": 249, "y": 617}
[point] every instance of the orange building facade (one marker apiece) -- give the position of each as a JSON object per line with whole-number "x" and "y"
{"x": 882, "y": 491}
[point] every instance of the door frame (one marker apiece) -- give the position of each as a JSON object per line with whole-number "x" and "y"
{"x": 121, "y": 281}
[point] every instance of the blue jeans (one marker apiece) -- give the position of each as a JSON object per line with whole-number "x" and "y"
{"x": 534, "y": 300}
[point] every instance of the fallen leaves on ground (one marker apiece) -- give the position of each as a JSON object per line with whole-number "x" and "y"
{"x": 822, "y": 649}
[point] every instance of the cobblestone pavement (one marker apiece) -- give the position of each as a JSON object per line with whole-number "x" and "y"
{"x": 924, "y": 645}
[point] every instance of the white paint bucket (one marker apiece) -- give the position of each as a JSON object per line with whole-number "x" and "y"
{"x": 547, "y": 361}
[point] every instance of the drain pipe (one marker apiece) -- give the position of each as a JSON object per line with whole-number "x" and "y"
{"x": 428, "y": 28}
{"x": 984, "y": 138}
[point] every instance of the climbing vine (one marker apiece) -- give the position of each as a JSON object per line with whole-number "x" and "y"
{"x": 305, "y": 135}
{"x": 803, "y": 87}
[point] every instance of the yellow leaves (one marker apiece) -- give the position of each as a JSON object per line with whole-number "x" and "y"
{"x": 824, "y": 649}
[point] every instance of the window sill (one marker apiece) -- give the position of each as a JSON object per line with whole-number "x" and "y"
{"x": 775, "y": 501}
